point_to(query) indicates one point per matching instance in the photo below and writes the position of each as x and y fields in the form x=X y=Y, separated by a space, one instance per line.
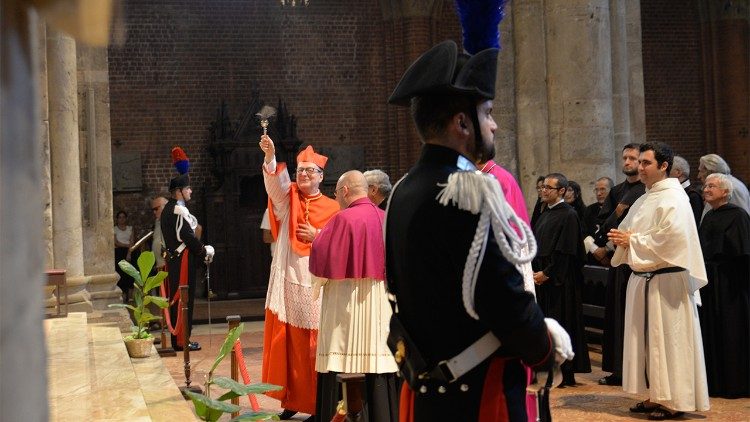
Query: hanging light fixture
x=294 y=2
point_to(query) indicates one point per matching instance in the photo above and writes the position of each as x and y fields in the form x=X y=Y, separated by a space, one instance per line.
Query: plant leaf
x=130 y=270
x=212 y=404
x=244 y=389
x=145 y=263
x=228 y=396
x=202 y=409
x=158 y=301
x=256 y=416
x=226 y=348
x=155 y=281
x=121 y=305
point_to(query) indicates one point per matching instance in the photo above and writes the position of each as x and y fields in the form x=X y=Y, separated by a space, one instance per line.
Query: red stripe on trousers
x=493 y=407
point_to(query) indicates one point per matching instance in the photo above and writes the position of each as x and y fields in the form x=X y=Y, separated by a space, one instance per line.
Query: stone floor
x=587 y=401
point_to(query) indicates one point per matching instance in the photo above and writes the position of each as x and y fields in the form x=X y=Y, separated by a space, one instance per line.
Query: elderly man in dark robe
x=725 y=315
x=557 y=270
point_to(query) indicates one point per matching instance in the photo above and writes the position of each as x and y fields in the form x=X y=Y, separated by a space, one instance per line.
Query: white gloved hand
x=563 y=346
x=589 y=244
x=209 y=254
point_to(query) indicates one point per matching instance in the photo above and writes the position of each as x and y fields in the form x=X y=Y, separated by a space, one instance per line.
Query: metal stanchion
x=186 y=343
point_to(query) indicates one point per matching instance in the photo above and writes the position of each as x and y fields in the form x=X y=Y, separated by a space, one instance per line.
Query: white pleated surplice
x=355 y=315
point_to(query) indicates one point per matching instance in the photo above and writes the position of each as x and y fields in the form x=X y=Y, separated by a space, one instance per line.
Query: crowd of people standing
x=354 y=289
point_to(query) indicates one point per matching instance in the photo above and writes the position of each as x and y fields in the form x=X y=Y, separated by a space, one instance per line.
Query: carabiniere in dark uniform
x=426 y=250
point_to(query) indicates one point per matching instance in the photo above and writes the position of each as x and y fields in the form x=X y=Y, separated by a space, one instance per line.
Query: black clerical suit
x=561 y=257
x=195 y=251
x=617 y=278
x=591 y=221
x=426 y=249
x=725 y=313
x=696 y=202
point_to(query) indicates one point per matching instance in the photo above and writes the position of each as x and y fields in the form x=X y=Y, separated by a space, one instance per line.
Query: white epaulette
x=480 y=193
x=183 y=214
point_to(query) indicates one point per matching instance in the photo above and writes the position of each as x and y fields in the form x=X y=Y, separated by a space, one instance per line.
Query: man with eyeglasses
x=157 y=241
x=591 y=219
x=557 y=271
x=348 y=261
x=297 y=212
x=725 y=241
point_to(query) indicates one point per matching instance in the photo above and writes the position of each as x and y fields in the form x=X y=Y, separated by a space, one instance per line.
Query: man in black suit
x=681 y=171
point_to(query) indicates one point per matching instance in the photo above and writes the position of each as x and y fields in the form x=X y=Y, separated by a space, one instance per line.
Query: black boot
x=286 y=414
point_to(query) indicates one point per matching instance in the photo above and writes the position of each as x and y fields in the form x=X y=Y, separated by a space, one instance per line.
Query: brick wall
x=673 y=77
x=182 y=58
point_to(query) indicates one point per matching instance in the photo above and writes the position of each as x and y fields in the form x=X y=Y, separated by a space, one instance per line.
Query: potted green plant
x=139 y=344
x=209 y=409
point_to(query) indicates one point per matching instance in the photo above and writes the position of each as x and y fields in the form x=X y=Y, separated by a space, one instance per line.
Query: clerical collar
x=686 y=183
x=181 y=202
x=555 y=204
x=311 y=197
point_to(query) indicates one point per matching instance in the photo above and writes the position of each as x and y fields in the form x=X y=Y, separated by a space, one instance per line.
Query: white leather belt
x=467 y=360
x=180 y=249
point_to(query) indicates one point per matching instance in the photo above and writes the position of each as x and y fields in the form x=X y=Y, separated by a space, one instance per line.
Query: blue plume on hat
x=180 y=160
x=479 y=21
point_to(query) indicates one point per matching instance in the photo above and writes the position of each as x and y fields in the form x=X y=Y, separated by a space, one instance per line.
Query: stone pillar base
x=104 y=291
x=86 y=293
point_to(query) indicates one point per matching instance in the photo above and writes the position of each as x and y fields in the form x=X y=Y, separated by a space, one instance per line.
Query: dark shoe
x=610 y=380
x=310 y=419
x=194 y=346
x=663 y=413
x=286 y=414
x=641 y=407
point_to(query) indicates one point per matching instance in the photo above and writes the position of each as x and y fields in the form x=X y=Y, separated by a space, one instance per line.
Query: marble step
x=91 y=377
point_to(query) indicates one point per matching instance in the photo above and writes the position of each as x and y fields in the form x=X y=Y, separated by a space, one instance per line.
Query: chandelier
x=294 y=2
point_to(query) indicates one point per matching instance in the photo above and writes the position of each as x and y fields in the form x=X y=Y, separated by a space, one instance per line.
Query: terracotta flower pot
x=139 y=348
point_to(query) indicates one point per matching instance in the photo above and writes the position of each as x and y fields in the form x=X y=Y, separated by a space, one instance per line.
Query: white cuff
x=270 y=166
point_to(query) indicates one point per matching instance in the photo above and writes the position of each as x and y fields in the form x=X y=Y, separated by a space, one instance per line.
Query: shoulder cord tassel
x=480 y=193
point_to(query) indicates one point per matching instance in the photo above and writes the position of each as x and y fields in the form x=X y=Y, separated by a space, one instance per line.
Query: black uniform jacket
x=426 y=249
x=168 y=229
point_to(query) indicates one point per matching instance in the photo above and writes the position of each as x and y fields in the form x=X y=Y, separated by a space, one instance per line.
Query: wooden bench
x=594 y=287
x=56 y=278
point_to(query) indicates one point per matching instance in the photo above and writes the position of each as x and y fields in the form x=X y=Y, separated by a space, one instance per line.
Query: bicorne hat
x=443 y=70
